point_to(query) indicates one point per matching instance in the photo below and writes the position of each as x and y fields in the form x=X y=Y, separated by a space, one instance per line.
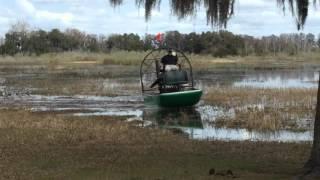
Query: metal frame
x=155 y=58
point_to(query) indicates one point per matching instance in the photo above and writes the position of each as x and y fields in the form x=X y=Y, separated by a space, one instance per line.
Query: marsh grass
x=264 y=109
x=79 y=73
x=75 y=86
x=131 y=58
x=259 y=120
x=280 y=61
x=57 y=78
x=82 y=86
x=51 y=146
x=280 y=97
x=77 y=58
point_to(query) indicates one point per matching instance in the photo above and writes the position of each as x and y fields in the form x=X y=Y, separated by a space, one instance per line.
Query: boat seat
x=177 y=77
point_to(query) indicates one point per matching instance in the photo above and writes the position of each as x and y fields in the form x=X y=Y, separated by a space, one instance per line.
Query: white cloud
x=44 y=15
x=253 y=17
x=26 y=6
x=54 y=1
x=57 y=1
x=66 y=18
x=254 y=4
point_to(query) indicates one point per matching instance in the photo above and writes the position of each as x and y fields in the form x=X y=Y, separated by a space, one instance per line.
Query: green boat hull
x=178 y=99
x=175 y=99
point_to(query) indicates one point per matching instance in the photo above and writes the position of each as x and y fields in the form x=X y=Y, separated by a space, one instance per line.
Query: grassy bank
x=199 y=62
x=76 y=58
x=49 y=146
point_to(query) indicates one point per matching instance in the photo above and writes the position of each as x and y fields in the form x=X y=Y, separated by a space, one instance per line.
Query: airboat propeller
x=174 y=88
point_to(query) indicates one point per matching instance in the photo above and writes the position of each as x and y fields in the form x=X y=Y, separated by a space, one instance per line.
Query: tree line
x=20 y=39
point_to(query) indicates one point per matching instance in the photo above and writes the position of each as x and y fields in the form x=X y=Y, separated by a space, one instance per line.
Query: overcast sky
x=253 y=17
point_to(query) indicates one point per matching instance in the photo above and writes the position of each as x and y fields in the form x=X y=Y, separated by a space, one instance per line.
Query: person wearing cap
x=170 y=61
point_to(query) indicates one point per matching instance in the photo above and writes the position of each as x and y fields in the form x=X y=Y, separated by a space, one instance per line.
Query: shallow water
x=280 y=80
x=227 y=134
x=197 y=122
x=262 y=79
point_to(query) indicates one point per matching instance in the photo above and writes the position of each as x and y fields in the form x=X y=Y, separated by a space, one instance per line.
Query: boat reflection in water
x=198 y=123
x=179 y=117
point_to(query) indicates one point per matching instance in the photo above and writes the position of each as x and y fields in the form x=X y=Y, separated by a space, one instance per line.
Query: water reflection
x=280 y=80
x=227 y=134
x=174 y=117
x=305 y=78
x=198 y=123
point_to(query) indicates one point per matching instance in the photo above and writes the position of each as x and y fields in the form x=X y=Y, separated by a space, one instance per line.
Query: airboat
x=176 y=87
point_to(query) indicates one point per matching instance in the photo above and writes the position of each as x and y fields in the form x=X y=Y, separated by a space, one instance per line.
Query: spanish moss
x=298 y=9
x=302 y=11
x=115 y=3
x=148 y=6
x=184 y=8
x=220 y=11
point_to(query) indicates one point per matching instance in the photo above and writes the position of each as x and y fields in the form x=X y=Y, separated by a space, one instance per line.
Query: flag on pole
x=158 y=40
x=159 y=37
